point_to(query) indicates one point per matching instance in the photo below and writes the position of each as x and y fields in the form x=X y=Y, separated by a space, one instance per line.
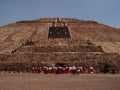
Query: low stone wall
x=24 y=62
x=19 y=67
x=48 y=49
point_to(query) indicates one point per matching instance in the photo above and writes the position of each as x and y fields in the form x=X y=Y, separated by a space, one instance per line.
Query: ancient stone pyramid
x=51 y=41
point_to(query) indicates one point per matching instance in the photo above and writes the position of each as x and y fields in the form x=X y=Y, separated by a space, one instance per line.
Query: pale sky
x=103 y=11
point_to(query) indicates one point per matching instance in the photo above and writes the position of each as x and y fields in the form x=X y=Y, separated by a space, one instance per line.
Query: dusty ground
x=59 y=82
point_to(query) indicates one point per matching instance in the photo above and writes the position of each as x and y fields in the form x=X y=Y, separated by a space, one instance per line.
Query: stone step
x=49 y=49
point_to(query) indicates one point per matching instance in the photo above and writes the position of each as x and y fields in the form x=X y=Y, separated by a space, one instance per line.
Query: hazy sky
x=103 y=11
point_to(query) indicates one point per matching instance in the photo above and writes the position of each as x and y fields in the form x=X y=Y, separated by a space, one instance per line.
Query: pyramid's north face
x=59 y=40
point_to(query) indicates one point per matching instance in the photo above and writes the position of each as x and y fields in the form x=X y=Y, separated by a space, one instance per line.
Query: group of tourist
x=61 y=70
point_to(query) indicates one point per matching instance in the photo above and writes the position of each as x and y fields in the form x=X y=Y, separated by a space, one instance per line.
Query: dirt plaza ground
x=28 y=81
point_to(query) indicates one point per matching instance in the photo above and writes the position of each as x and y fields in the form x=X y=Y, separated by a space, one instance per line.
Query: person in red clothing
x=67 y=70
x=90 y=70
x=60 y=70
x=39 y=69
x=36 y=69
x=78 y=70
x=49 y=69
x=45 y=70
x=74 y=70
x=63 y=70
x=81 y=69
x=33 y=69
x=57 y=71
x=53 y=70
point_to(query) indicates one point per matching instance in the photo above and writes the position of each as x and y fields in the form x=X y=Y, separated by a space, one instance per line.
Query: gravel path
x=28 y=81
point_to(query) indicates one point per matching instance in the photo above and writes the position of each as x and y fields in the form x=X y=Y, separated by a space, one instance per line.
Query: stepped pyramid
x=58 y=41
